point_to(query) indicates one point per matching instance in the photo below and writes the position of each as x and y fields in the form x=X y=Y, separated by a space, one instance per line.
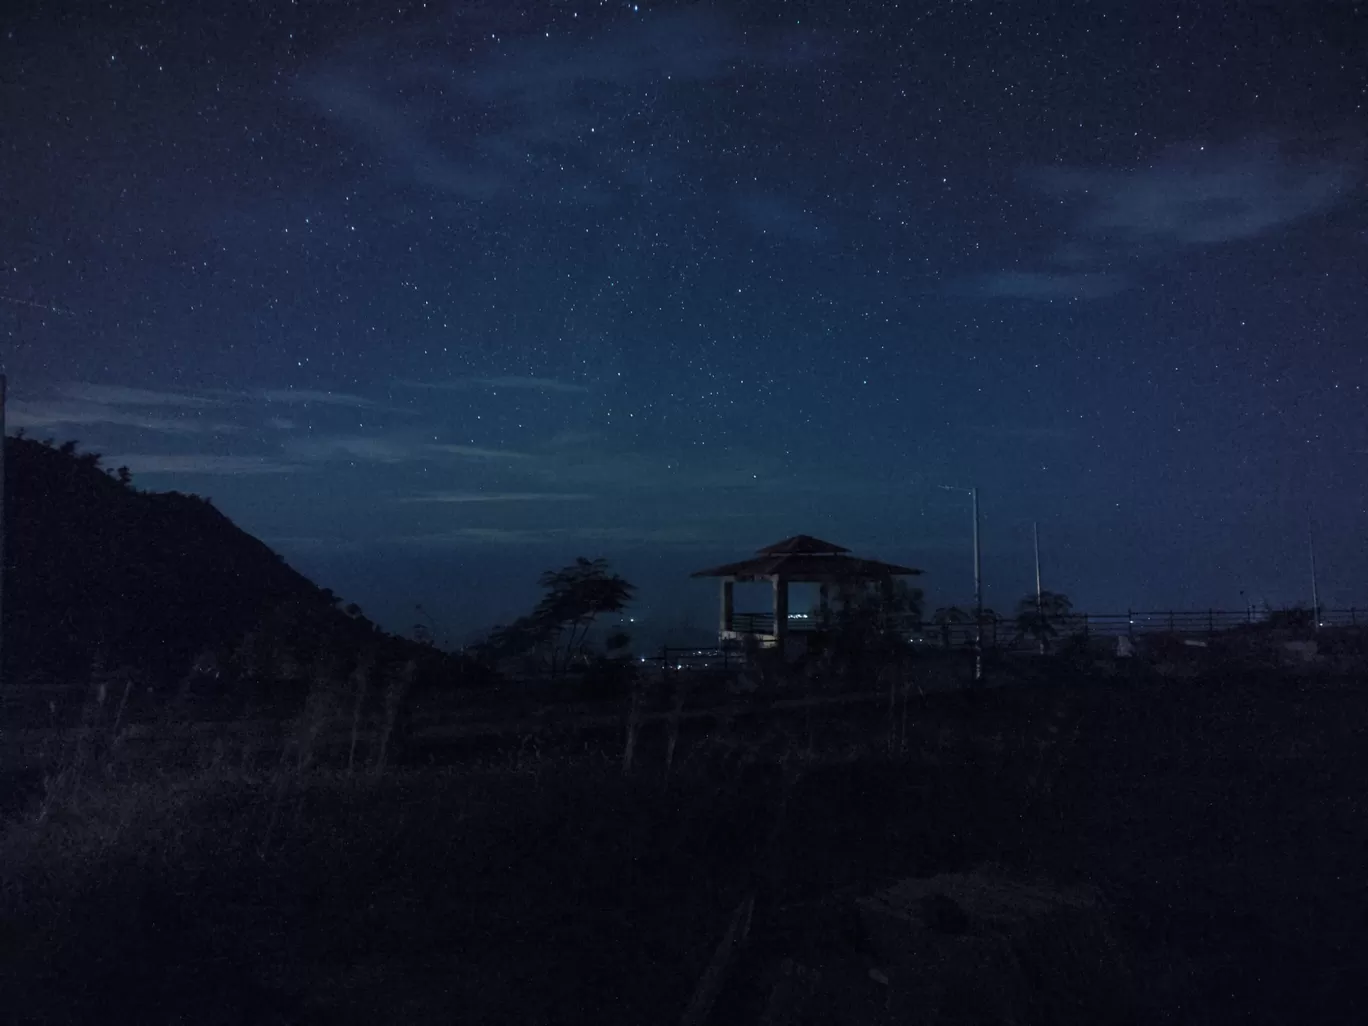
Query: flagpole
x=1040 y=595
x=1315 y=584
x=4 y=387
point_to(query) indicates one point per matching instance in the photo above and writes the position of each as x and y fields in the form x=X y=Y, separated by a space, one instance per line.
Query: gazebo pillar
x=781 y=608
x=728 y=603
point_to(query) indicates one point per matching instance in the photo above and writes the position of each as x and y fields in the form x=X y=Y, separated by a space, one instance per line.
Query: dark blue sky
x=434 y=296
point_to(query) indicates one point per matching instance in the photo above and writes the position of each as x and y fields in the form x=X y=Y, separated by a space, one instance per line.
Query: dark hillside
x=153 y=581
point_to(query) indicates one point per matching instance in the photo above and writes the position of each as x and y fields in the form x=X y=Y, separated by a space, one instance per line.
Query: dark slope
x=97 y=568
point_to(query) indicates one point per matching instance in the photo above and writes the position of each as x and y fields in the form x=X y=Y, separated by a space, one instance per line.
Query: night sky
x=432 y=297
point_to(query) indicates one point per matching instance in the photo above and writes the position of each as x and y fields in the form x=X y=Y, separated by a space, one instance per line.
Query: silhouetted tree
x=947 y=618
x=575 y=596
x=1289 y=617
x=989 y=621
x=864 y=626
x=1043 y=618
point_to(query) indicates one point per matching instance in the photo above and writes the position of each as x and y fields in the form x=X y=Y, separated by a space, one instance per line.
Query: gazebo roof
x=804 y=544
x=804 y=558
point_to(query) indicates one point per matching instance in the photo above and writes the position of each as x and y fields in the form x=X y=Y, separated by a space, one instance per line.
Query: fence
x=1001 y=633
x=1205 y=621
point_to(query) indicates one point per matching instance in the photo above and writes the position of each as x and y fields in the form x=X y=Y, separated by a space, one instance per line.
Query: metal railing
x=752 y=623
x=724 y=658
x=1005 y=632
x=1203 y=621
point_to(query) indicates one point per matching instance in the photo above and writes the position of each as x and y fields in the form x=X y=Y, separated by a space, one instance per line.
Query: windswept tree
x=575 y=597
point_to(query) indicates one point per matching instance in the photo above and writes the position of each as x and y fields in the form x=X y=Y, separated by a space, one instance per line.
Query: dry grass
x=537 y=882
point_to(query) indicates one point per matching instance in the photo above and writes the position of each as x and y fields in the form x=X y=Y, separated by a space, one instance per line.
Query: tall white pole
x=1035 y=538
x=1040 y=595
x=978 y=583
x=1315 y=584
x=3 y=390
x=978 y=594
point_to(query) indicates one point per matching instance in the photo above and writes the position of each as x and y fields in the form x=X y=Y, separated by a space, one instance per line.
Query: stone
x=979 y=947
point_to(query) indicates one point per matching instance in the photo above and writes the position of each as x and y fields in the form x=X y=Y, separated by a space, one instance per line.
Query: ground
x=1223 y=821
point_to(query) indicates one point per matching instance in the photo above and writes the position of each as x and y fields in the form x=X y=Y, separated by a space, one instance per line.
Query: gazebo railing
x=752 y=623
x=763 y=623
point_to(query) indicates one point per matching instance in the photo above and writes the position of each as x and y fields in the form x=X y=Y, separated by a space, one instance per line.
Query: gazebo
x=801 y=559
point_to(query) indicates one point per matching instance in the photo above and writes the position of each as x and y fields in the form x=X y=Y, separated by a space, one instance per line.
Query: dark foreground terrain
x=1224 y=823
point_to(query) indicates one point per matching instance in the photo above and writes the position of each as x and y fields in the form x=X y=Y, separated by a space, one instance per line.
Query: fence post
x=1130 y=624
x=1211 y=622
x=1353 y=618
x=1172 y=629
x=1085 y=625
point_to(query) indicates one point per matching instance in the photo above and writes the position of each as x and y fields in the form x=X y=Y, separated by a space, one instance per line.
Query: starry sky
x=434 y=296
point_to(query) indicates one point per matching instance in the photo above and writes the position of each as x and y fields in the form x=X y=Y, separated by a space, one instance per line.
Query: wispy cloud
x=157 y=463
x=482 y=497
x=673 y=471
x=1186 y=197
x=117 y=395
x=365 y=448
x=567 y=108
x=1201 y=195
x=475 y=452
x=510 y=381
x=306 y=397
x=390 y=447
x=684 y=537
x=535 y=384
x=34 y=414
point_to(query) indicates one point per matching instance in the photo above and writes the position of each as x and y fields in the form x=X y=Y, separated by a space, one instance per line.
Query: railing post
x=1085 y=625
x=1211 y=622
x=1172 y=628
x=1130 y=624
x=1353 y=619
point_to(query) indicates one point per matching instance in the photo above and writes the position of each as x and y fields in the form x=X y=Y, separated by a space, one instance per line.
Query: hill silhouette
x=158 y=582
